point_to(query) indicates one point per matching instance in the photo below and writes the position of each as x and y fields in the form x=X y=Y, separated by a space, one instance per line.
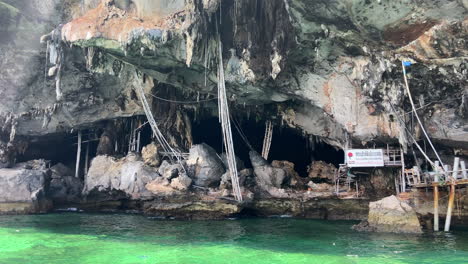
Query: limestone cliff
x=331 y=69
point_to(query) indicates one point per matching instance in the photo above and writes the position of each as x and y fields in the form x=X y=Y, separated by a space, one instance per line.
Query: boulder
x=59 y=170
x=266 y=175
x=321 y=187
x=390 y=215
x=204 y=166
x=170 y=171
x=65 y=189
x=150 y=154
x=23 y=190
x=127 y=176
x=181 y=183
x=160 y=186
x=239 y=162
x=295 y=180
x=226 y=178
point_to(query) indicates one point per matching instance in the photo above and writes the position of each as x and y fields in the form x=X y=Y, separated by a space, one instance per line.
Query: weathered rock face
x=331 y=209
x=204 y=166
x=23 y=189
x=125 y=178
x=321 y=170
x=392 y=216
x=193 y=208
x=331 y=69
x=339 y=62
x=66 y=189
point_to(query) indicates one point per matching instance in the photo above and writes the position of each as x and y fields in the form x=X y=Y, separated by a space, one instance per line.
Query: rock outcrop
x=124 y=178
x=192 y=208
x=391 y=215
x=23 y=189
x=266 y=176
x=332 y=70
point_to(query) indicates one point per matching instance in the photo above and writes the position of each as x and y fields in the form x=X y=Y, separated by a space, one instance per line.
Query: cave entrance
x=287 y=143
x=60 y=148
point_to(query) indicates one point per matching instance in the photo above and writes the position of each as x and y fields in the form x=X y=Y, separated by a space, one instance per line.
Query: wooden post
x=78 y=156
x=456 y=162
x=86 y=160
x=448 y=219
x=436 y=199
x=463 y=168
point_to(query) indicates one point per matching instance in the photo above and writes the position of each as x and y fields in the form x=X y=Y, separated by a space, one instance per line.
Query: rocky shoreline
x=149 y=184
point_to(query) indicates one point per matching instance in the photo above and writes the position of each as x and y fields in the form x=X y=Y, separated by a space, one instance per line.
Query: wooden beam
x=78 y=156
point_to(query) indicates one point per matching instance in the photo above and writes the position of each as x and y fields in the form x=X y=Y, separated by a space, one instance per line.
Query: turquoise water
x=117 y=239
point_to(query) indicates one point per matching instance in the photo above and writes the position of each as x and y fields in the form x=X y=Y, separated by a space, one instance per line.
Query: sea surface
x=69 y=238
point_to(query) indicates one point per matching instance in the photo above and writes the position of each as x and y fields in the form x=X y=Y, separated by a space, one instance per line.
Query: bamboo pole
x=130 y=139
x=436 y=206
x=463 y=169
x=78 y=156
x=403 y=180
x=416 y=113
x=448 y=218
x=456 y=162
x=138 y=142
x=86 y=160
x=436 y=197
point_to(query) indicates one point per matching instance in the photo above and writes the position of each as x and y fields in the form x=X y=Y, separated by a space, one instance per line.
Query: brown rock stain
x=402 y=33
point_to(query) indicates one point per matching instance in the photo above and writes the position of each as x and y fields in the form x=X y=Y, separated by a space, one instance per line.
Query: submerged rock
x=204 y=166
x=390 y=215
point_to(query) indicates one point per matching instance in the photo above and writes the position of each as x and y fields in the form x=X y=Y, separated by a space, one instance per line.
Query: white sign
x=364 y=158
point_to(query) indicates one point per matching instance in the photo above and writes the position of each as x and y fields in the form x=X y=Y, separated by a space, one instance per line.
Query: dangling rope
x=416 y=113
x=154 y=127
x=267 y=139
x=402 y=124
x=225 y=121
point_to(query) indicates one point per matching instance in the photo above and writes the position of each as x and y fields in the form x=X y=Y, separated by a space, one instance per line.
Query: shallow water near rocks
x=118 y=239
